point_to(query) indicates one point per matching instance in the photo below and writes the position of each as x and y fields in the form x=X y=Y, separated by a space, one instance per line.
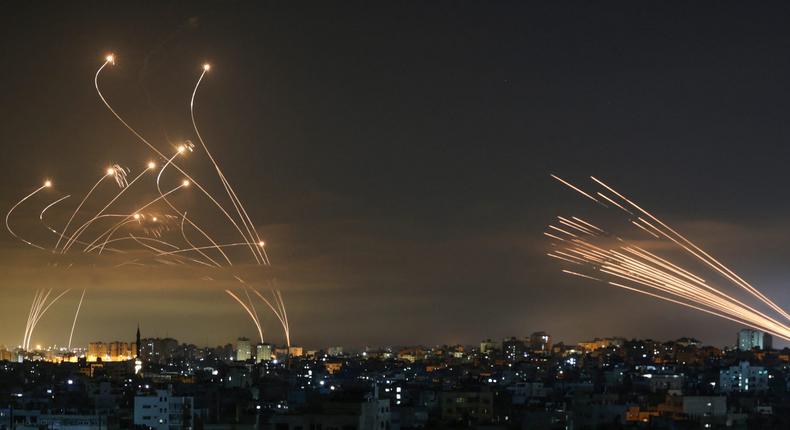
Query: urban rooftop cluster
x=518 y=382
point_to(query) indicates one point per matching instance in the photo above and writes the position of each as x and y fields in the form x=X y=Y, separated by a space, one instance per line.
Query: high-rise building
x=263 y=352
x=749 y=339
x=243 y=349
x=158 y=350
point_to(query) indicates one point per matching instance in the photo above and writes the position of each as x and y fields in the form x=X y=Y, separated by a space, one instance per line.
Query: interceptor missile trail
x=618 y=262
x=47 y=184
x=152 y=228
x=110 y=172
x=249 y=312
x=162 y=156
x=76 y=314
x=245 y=219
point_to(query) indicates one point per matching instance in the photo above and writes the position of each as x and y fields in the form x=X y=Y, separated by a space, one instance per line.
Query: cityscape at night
x=394 y=215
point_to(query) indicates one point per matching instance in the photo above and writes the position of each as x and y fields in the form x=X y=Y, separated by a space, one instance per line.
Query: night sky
x=396 y=156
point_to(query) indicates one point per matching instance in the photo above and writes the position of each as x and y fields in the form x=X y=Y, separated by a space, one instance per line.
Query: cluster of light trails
x=40 y=306
x=155 y=231
x=593 y=253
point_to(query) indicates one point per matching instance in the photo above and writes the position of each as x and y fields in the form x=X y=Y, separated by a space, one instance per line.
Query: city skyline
x=401 y=180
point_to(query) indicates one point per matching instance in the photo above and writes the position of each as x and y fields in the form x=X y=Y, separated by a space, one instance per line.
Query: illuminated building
x=334 y=351
x=163 y=411
x=263 y=352
x=96 y=351
x=743 y=378
x=600 y=343
x=295 y=351
x=412 y=354
x=488 y=346
x=6 y=355
x=112 y=351
x=243 y=349
x=749 y=339
x=333 y=367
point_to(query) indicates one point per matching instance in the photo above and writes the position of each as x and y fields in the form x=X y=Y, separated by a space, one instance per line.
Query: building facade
x=749 y=339
x=743 y=378
x=164 y=411
x=243 y=349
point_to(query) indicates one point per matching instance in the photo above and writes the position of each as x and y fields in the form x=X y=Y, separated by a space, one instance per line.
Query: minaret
x=138 y=362
x=137 y=345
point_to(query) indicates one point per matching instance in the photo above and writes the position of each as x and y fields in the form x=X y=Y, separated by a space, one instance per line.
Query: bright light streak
x=164 y=221
x=631 y=267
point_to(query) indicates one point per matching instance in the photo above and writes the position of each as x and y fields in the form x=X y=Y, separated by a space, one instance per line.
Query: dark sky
x=396 y=156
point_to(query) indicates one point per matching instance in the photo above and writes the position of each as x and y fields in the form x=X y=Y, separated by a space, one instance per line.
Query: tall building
x=158 y=350
x=243 y=349
x=749 y=339
x=263 y=352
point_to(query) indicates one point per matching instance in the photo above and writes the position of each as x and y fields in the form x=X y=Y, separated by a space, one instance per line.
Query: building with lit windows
x=163 y=411
x=514 y=349
x=743 y=378
x=263 y=352
x=158 y=350
x=540 y=342
x=243 y=349
x=465 y=406
x=111 y=351
x=488 y=346
x=749 y=339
